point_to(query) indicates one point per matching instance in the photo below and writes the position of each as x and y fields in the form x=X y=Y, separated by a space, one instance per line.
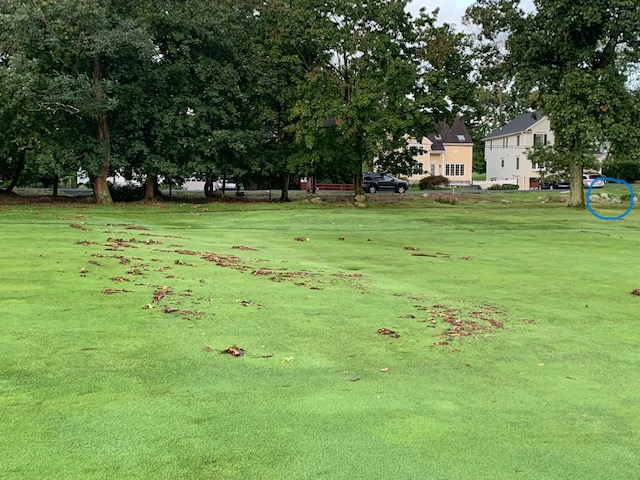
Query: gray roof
x=519 y=124
x=456 y=133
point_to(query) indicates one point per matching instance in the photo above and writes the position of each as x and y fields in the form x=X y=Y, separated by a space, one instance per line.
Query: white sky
x=451 y=11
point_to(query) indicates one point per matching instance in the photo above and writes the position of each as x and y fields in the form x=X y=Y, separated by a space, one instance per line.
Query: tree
x=370 y=70
x=75 y=45
x=572 y=58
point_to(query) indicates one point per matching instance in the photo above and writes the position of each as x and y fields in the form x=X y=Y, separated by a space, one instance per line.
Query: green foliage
x=503 y=186
x=573 y=58
x=433 y=181
x=127 y=193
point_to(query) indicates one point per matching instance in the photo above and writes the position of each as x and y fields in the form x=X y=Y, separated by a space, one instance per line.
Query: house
x=505 y=149
x=449 y=153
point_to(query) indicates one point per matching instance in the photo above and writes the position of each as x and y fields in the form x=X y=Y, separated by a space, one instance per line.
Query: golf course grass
x=492 y=339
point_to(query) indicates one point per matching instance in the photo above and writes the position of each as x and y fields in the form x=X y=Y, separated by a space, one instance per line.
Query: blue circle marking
x=614 y=180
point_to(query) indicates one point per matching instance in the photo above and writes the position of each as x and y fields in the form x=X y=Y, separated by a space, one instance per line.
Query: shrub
x=126 y=193
x=433 y=181
x=504 y=186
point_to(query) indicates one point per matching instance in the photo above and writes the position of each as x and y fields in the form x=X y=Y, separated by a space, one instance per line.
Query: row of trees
x=252 y=89
x=235 y=88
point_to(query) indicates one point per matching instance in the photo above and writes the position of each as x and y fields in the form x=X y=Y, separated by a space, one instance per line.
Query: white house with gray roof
x=505 y=149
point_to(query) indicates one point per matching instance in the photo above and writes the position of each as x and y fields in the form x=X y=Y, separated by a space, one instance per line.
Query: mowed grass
x=94 y=385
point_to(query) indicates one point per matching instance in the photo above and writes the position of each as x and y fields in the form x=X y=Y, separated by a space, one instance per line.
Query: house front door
x=433 y=169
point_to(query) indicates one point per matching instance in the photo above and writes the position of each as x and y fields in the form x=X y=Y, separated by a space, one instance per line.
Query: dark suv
x=372 y=182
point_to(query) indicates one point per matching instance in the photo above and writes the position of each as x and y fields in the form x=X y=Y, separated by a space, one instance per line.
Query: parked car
x=555 y=185
x=592 y=179
x=372 y=182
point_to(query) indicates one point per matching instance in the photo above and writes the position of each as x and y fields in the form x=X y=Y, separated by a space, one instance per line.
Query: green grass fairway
x=517 y=355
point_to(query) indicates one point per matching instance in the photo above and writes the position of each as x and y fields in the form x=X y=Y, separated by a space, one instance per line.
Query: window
x=461 y=138
x=490 y=144
x=454 y=170
x=517 y=163
x=540 y=139
x=518 y=141
x=505 y=142
x=502 y=163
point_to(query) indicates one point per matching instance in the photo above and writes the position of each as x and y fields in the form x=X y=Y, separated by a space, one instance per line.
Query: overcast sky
x=451 y=11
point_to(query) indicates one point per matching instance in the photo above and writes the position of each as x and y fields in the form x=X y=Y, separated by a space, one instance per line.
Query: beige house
x=448 y=153
x=505 y=149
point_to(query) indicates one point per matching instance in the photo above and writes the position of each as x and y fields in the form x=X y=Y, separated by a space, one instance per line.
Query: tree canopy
x=243 y=89
x=572 y=60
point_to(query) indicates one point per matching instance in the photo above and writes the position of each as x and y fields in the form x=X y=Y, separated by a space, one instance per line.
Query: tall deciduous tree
x=76 y=45
x=573 y=58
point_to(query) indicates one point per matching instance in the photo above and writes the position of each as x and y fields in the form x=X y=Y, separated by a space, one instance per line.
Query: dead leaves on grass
x=636 y=292
x=110 y=291
x=390 y=333
x=234 y=351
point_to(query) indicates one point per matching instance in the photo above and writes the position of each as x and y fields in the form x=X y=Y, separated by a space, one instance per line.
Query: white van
x=592 y=179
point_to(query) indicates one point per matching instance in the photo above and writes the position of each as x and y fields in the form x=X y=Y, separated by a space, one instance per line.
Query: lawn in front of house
x=516 y=354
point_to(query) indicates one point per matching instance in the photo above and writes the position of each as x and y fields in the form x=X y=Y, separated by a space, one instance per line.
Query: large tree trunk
x=56 y=180
x=151 y=187
x=208 y=187
x=357 y=184
x=284 y=195
x=15 y=178
x=576 y=194
x=100 y=186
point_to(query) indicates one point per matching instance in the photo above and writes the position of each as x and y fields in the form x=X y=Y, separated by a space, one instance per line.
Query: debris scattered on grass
x=109 y=291
x=528 y=320
x=96 y=263
x=120 y=279
x=234 y=350
x=159 y=295
x=354 y=379
x=207 y=348
x=246 y=303
x=407 y=316
x=171 y=310
x=268 y=355
x=386 y=331
x=135 y=227
x=341 y=238
x=636 y=292
x=434 y=255
x=85 y=243
x=301 y=239
x=78 y=226
x=242 y=247
x=385 y=369
x=411 y=249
